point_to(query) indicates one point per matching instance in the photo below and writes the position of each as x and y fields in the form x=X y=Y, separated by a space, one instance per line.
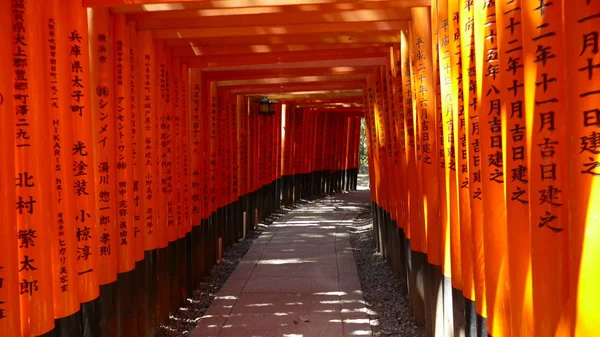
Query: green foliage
x=363 y=163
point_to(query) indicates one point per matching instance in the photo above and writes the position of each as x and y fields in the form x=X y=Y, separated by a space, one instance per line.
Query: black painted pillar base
x=108 y=310
x=91 y=316
x=70 y=326
x=126 y=309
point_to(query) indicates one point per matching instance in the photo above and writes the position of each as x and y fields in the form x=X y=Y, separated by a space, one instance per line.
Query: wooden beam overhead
x=263 y=49
x=299 y=79
x=194 y=19
x=324 y=101
x=241 y=65
x=285 y=73
x=349 y=37
x=133 y=6
x=295 y=87
x=314 y=95
x=283 y=57
x=281 y=30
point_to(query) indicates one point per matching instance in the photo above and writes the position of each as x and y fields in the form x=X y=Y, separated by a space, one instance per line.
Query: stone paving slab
x=299 y=278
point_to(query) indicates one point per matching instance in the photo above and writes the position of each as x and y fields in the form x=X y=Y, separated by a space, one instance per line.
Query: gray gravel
x=185 y=319
x=388 y=309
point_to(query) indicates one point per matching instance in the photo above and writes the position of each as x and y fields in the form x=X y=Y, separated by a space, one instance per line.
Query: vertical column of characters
x=547 y=144
x=184 y=105
x=137 y=144
x=196 y=147
x=492 y=170
x=252 y=147
x=162 y=119
x=419 y=239
x=240 y=178
x=32 y=202
x=9 y=262
x=84 y=152
x=462 y=266
x=472 y=153
x=346 y=154
x=510 y=45
x=124 y=145
x=147 y=85
x=324 y=120
x=327 y=143
x=313 y=139
x=299 y=115
x=64 y=257
x=379 y=145
x=302 y=142
x=442 y=239
x=447 y=120
x=226 y=146
x=357 y=142
x=177 y=153
x=581 y=31
x=425 y=91
x=212 y=150
x=386 y=153
x=220 y=187
x=221 y=144
x=286 y=137
x=238 y=172
x=409 y=129
x=400 y=130
x=104 y=142
x=391 y=74
x=381 y=101
x=349 y=153
x=231 y=145
x=343 y=160
x=307 y=140
x=277 y=144
x=205 y=144
x=235 y=147
x=369 y=138
x=388 y=104
x=375 y=142
x=333 y=144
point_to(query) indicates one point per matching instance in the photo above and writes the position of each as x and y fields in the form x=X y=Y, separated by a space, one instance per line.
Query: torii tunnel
x=134 y=151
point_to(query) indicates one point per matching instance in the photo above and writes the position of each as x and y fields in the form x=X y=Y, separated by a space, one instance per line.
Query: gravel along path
x=388 y=309
x=185 y=319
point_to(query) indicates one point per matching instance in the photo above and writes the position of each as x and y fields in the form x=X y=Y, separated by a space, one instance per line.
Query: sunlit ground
x=299 y=278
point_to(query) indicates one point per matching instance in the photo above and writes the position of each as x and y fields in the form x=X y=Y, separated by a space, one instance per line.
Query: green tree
x=363 y=165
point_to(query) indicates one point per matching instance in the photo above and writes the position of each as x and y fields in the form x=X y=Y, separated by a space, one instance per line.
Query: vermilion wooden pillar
x=547 y=160
x=64 y=246
x=583 y=87
x=9 y=293
x=492 y=173
x=30 y=134
x=515 y=174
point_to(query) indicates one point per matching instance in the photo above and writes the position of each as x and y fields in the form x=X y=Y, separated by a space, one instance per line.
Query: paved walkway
x=298 y=278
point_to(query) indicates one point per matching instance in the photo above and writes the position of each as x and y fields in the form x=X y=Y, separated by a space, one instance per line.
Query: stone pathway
x=298 y=278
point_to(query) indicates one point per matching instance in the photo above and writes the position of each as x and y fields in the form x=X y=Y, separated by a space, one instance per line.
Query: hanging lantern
x=266 y=106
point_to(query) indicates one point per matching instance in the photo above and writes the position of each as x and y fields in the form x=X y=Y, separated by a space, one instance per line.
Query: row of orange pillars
x=484 y=167
x=125 y=174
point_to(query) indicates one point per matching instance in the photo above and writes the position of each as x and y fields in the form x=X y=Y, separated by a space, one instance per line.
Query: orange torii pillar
x=9 y=265
x=581 y=53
